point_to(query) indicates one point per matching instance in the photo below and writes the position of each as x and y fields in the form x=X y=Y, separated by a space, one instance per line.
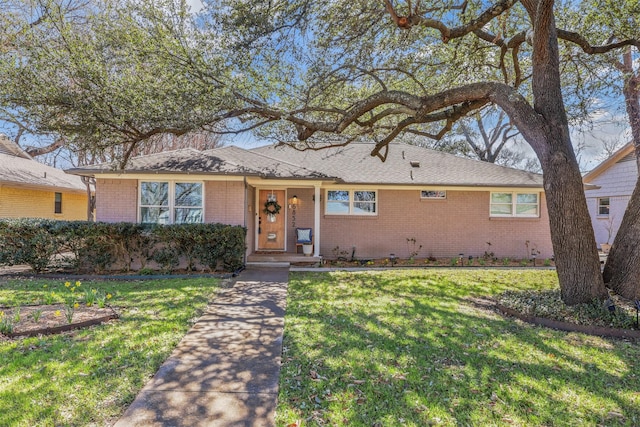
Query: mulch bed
x=600 y=331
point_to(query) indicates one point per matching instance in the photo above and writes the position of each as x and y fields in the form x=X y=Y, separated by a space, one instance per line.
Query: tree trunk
x=574 y=244
x=622 y=271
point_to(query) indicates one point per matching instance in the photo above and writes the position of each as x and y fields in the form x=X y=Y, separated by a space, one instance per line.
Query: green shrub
x=28 y=241
x=98 y=247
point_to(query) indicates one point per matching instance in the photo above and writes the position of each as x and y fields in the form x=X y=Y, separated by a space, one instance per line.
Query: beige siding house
x=608 y=188
x=29 y=189
x=351 y=200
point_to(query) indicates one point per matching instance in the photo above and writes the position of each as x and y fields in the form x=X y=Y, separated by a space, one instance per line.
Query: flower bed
x=51 y=319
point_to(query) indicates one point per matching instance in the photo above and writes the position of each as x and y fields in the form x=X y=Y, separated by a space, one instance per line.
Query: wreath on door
x=271 y=207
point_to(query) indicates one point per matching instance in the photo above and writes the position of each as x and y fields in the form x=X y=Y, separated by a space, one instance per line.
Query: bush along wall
x=81 y=246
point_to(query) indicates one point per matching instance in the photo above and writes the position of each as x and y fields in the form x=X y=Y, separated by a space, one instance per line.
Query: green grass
x=408 y=348
x=89 y=376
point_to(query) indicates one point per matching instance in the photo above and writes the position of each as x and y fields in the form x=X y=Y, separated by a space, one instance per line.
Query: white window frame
x=514 y=204
x=428 y=194
x=172 y=196
x=600 y=205
x=351 y=192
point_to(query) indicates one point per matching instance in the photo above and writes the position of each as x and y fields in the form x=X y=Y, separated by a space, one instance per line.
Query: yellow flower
x=78 y=283
x=88 y=304
x=44 y=286
x=57 y=313
x=73 y=289
x=109 y=296
x=67 y=284
x=1 y=314
x=76 y=305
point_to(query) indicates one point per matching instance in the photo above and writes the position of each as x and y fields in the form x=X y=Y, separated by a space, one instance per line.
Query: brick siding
x=444 y=228
x=117 y=200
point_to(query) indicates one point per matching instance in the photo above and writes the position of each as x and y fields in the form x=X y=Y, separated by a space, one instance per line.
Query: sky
x=196 y=5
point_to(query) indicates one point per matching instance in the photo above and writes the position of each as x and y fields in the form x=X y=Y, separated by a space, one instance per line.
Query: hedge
x=82 y=246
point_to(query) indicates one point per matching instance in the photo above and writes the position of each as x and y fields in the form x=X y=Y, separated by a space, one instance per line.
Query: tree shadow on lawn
x=389 y=350
x=49 y=379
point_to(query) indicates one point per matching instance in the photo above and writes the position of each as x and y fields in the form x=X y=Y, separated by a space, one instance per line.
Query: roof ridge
x=281 y=160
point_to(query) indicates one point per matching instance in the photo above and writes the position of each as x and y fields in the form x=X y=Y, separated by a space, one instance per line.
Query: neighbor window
x=57 y=204
x=170 y=202
x=515 y=204
x=351 y=202
x=433 y=194
x=603 y=206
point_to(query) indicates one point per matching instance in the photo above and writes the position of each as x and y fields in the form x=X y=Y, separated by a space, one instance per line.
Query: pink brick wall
x=444 y=228
x=116 y=200
x=224 y=202
x=303 y=215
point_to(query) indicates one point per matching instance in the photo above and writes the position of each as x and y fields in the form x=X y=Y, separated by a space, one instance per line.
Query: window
x=351 y=202
x=433 y=194
x=170 y=202
x=57 y=204
x=515 y=204
x=603 y=206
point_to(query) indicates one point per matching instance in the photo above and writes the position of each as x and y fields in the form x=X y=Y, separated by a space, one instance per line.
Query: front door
x=271 y=226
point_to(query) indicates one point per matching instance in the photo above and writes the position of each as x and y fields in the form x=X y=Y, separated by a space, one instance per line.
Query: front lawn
x=89 y=376
x=410 y=348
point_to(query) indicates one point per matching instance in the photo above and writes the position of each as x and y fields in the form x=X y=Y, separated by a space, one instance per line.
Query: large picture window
x=170 y=202
x=351 y=202
x=515 y=205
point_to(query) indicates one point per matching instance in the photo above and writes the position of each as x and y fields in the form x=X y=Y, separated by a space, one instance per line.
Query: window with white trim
x=433 y=194
x=604 y=203
x=171 y=202
x=351 y=202
x=515 y=205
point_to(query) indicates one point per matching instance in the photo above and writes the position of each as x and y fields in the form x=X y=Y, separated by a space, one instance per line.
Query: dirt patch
x=51 y=319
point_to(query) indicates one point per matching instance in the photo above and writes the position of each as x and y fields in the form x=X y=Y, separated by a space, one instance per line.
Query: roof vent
x=415 y=164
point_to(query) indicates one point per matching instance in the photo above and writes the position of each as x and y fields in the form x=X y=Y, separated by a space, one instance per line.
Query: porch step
x=270 y=264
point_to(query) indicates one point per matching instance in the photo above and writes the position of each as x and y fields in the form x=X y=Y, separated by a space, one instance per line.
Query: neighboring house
x=29 y=189
x=417 y=197
x=608 y=188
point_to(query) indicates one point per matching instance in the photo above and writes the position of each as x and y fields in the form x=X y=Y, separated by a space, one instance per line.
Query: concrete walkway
x=225 y=371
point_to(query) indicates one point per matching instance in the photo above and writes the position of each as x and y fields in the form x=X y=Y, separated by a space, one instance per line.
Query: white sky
x=196 y=5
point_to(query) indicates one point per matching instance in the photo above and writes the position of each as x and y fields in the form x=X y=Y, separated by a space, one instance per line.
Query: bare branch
x=590 y=49
x=39 y=151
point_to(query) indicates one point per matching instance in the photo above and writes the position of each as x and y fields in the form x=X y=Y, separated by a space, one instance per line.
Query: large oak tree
x=324 y=73
x=395 y=78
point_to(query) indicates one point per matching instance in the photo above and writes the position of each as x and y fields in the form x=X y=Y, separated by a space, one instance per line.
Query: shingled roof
x=405 y=164
x=17 y=168
x=218 y=161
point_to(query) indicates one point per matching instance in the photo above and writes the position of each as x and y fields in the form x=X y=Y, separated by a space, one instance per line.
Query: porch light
x=293 y=202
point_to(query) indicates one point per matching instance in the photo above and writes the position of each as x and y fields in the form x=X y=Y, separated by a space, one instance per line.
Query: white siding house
x=608 y=188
